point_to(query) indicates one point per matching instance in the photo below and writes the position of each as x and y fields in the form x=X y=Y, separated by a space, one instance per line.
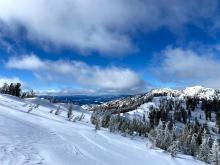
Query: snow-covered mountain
x=131 y=103
x=186 y=105
x=195 y=91
x=185 y=121
x=165 y=91
x=200 y=92
x=41 y=137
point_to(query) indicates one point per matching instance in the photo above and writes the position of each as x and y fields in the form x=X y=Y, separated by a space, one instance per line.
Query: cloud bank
x=189 y=66
x=111 y=79
x=100 y=25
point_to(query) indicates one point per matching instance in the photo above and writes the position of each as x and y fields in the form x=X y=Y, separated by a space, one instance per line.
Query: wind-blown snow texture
x=40 y=137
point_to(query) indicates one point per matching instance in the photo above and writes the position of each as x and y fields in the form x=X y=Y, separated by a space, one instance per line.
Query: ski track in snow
x=43 y=138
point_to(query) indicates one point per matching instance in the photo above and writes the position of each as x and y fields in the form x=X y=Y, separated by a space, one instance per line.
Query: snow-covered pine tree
x=114 y=123
x=159 y=135
x=93 y=117
x=98 y=124
x=193 y=145
x=204 y=148
x=70 y=112
x=185 y=140
x=111 y=124
x=57 y=111
x=124 y=126
x=215 y=153
x=167 y=139
x=174 y=148
x=36 y=106
x=82 y=116
x=31 y=107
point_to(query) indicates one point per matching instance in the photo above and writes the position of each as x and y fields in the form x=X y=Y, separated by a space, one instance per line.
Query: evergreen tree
x=11 y=89
x=114 y=124
x=174 y=148
x=82 y=116
x=70 y=112
x=204 y=148
x=185 y=139
x=17 y=90
x=168 y=136
x=215 y=153
x=5 y=89
x=193 y=145
x=98 y=124
x=156 y=135
x=57 y=111
x=218 y=121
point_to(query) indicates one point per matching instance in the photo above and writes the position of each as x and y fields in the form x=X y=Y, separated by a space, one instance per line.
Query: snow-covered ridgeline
x=195 y=91
x=127 y=103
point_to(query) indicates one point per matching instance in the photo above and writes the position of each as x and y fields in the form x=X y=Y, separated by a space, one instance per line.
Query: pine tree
x=17 y=90
x=57 y=111
x=204 y=148
x=186 y=140
x=174 y=148
x=218 y=121
x=51 y=111
x=70 y=112
x=157 y=135
x=31 y=107
x=82 y=116
x=114 y=124
x=97 y=124
x=5 y=89
x=11 y=89
x=168 y=137
x=215 y=153
x=193 y=145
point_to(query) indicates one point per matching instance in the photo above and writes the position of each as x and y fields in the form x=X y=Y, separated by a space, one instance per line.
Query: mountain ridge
x=127 y=104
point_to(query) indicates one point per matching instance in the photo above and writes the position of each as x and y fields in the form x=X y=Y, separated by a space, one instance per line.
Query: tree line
x=193 y=139
x=14 y=89
x=190 y=137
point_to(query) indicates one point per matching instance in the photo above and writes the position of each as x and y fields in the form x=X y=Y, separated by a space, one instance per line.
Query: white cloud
x=9 y=80
x=108 y=78
x=189 y=66
x=100 y=25
x=28 y=62
x=66 y=92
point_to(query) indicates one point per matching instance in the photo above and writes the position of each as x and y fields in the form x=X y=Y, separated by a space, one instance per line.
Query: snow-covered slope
x=40 y=137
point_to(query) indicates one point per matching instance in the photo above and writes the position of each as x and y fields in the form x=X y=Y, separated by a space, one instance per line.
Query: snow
x=169 y=91
x=40 y=137
x=144 y=109
x=194 y=91
x=199 y=91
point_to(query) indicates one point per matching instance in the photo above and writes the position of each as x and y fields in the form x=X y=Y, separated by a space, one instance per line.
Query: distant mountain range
x=103 y=100
x=83 y=99
x=188 y=120
x=195 y=91
x=129 y=103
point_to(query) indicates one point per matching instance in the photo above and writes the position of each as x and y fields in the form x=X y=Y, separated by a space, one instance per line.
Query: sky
x=109 y=47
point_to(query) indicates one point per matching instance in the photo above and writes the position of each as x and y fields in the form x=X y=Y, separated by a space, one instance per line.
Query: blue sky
x=109 y=47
